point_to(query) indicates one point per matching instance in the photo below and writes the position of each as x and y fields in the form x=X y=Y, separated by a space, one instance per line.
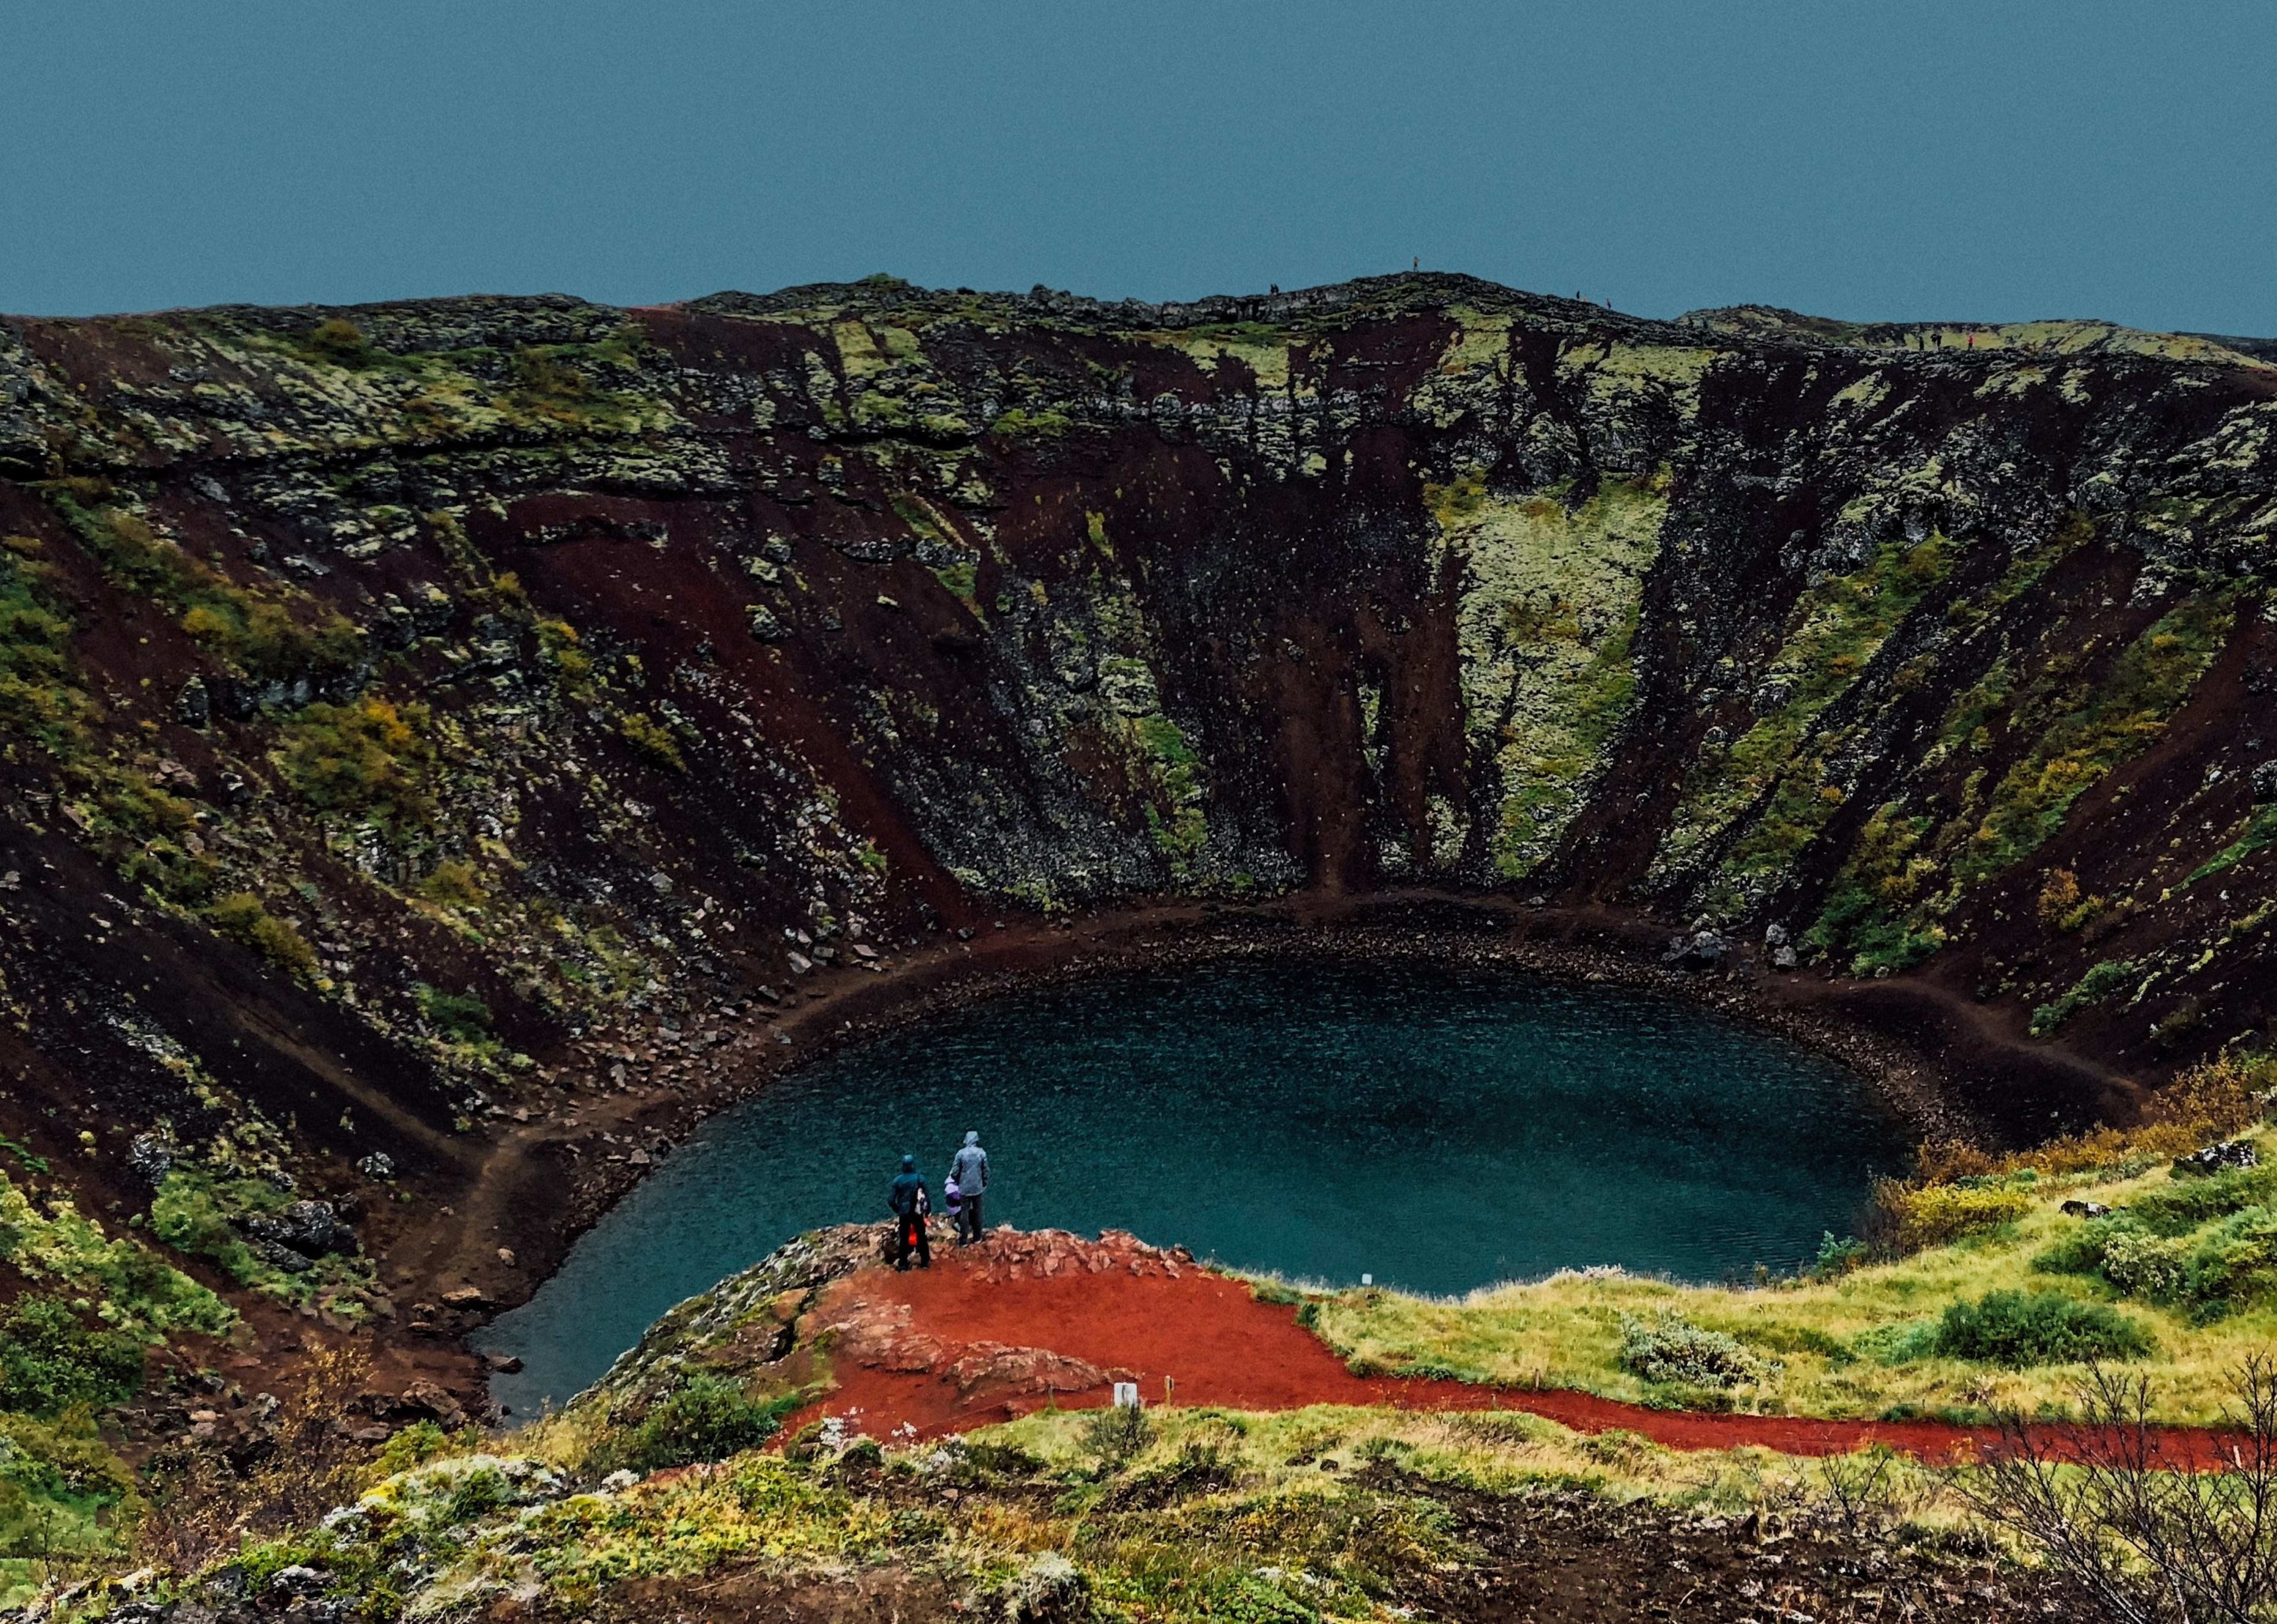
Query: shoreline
x=533 y=1194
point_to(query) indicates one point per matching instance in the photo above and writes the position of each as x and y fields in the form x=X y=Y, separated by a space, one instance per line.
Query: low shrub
x=1116 y=1434
x=143 y=1297
x=414 y=1446
x=2203 y=1245
x=2098 y=983
x=2145 y=1265
x=2081 y=1251
x=1838 y=1256
x=2019 y=1329
x=1934 y=1214
x=2183 y=1205
x=2208 y=1272
x=366 y=759
x=453 y=884
x=240 y=917
x=652 y=740
x=64 y=1492
x=461 y=1017
x=2222 y=1097
x=337 y=340
x=707 y=1418
x=1666 y=1348
x=188 y=1217
x=51 y=1360
x=2232 y=1262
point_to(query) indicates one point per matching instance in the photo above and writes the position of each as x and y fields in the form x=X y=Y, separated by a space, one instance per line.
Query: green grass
x=705 y=1418
x=1864 y=1341
x=253 y=631
x=66 y=1501
x=1905 y=871
x=195 y=1211
x=1021 y=424
x=51 y=1359
x=1870 y=916
x=43 y=699
x=962 y=583
x=2101 y=730
x=1168 y=774
x=132 y=1290
x=582 y=390
x=2101 y=980
x=1207 y=1515
x=2260 y=829
x=2207 y=1247
x=1780 y=762
x=1595 y=705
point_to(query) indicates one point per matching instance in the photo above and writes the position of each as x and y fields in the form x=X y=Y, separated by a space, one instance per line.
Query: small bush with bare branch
x=2149 y=1537
x=1859 y=1493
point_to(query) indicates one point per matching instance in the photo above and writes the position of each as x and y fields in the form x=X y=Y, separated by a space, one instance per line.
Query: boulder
x=1702 y=949
x=277 y=1255
x=150 y=1158
x=2218 y=1158
x=429 y=1400
x=297 y=1581
x=309 y=1228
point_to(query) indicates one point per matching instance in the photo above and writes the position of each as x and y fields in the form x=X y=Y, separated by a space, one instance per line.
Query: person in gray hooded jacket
x=971 y=1171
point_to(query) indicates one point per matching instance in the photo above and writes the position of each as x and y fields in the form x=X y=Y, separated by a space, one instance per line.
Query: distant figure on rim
x=971 y=1171
x=906 y=1195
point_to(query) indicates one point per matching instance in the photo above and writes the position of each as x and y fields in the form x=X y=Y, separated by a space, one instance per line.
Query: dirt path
x=1028 y=1320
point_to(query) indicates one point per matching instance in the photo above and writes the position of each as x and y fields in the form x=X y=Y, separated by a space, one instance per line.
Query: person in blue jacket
x=907 y=1196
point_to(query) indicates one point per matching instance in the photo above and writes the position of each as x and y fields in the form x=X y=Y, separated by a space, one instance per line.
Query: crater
x=1435 y=1127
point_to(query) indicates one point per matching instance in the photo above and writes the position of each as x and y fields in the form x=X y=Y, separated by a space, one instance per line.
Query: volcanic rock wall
x=398 y=698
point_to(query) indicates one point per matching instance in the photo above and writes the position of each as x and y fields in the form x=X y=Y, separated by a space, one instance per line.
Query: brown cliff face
x=404 y=702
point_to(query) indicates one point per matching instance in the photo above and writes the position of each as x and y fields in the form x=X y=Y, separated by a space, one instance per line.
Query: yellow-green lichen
x=1548 y=609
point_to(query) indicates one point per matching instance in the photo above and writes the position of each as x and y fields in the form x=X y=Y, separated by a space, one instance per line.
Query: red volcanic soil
x=1025 y=1320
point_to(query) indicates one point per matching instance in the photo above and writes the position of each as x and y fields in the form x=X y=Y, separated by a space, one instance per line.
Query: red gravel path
x=1218 y=1346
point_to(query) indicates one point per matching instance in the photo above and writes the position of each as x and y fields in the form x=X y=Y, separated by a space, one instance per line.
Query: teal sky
x=1900 y=160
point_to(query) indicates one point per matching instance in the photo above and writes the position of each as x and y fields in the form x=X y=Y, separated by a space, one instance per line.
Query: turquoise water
x=1439 y=1128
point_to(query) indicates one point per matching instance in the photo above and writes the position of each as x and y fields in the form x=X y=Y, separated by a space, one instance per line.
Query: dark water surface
x=1440 y=1128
